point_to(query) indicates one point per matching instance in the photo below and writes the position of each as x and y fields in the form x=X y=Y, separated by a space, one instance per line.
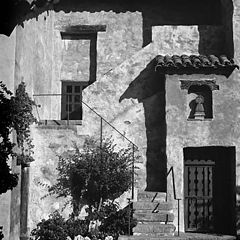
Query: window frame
x=65 y=104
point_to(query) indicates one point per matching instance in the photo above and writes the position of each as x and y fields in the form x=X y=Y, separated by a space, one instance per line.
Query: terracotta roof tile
x=194 y=63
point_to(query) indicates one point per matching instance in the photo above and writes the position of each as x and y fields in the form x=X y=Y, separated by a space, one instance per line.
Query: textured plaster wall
x=123 y=36
x=132 y=93
x=128 y=93
x=49 y=143
x=41 y=42
x=222 y=130
x=39 y=62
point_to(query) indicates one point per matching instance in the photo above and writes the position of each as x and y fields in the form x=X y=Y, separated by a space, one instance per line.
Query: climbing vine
x=16 y=113
x=22 y=119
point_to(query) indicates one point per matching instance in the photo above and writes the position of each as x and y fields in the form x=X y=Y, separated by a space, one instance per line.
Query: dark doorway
x=209 y=189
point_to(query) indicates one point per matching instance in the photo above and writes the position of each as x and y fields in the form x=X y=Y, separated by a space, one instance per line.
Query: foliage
x=22 y=119
x=57 y=228
x=52 y=228
x=107 y=208
x=1 y=233
x=16 y=113
x=114 y=223
x=117 y=223
x=76 y=227
x=93 y=175
x=8 y=180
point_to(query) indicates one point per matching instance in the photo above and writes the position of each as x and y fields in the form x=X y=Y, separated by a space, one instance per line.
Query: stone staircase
x=155 y=221
x=154 y=217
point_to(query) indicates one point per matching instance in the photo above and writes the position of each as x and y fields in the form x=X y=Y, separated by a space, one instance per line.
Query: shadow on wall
x=149 y=89
x=155 y=13
x=220 y=40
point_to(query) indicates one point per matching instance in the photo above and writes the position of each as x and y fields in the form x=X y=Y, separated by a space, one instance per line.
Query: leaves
x=117 y=222
x=22 y=107
x=8 y=180
x=57 y=228
x=92 y=174
x=16 y=113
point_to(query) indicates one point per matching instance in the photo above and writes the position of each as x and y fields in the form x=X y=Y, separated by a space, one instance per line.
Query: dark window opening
x=72 y=100
x=201 y=105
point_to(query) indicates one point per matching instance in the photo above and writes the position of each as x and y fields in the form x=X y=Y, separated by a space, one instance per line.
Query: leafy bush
x=76 y=227
x=113 y=223
x=22 y=107
x=52 y=228
x=117 y=223
x=16 y=113
x=8 y=180
x=93 y=175
x=57 y=228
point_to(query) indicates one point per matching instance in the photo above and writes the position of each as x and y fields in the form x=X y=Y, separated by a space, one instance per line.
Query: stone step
x=154 y=229
x=158 y=206
x=151 y=196
x=143 y=237
x=183 y=236
x=153 y=217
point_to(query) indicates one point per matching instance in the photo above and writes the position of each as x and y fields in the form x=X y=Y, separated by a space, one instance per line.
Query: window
x=72 y=100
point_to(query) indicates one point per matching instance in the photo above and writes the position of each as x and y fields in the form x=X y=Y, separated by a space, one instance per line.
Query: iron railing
x=102 y=120
x=171 y=170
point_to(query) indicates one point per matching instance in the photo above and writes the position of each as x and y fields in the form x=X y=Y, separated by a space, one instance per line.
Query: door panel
x=198 y=195
x=209 y=196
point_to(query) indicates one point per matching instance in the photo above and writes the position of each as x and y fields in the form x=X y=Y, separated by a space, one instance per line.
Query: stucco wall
x=133 y=91
x=50 y=142
x=222 y=130
x=127 y=93
x=39 y=62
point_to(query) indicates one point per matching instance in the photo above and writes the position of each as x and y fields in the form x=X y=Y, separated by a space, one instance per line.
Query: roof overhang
x=195 y=64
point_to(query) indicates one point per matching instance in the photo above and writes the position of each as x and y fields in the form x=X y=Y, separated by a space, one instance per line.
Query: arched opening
x=204 y=92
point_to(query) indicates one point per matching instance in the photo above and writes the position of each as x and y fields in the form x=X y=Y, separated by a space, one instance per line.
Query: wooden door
x=199 y=195
x=209 y=195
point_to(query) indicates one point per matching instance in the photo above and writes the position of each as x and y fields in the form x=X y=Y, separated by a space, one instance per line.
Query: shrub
x=8 y=180
x=117 y=223
x=52 y=228
x=113 y=223
x=16 y=113
x=76 y=227
x=93 y=175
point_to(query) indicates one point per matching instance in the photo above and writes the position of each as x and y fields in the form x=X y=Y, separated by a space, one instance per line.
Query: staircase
x=154 y=217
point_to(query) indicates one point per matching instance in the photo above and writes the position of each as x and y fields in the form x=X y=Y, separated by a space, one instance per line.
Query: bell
x=199 y=110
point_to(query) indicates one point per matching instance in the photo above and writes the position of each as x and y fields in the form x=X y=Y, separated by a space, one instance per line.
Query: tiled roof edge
x=194 y=62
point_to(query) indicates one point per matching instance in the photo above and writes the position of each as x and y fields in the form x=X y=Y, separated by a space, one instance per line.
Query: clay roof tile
x=198 y=62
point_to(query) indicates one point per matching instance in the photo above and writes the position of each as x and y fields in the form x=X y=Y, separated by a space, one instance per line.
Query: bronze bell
x=199 y=110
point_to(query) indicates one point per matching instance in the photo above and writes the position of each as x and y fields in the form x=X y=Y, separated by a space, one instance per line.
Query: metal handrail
x=174 y=195
x=134 y=146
